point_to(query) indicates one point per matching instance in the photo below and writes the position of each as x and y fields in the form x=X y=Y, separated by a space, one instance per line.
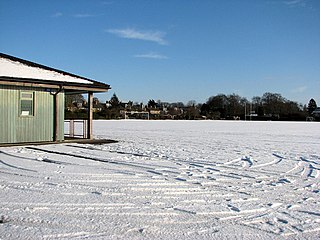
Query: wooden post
x=71 y=128
x=55 y=118
x=90 y=115
x=56 y=114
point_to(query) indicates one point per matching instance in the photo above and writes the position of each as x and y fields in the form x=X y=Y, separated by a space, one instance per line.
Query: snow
x=14 y=69
x=167 y=180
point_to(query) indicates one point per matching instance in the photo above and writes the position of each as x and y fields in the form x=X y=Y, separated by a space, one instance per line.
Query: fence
x=77 y=128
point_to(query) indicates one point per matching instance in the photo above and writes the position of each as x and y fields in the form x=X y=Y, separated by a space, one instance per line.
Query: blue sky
x=173 y=50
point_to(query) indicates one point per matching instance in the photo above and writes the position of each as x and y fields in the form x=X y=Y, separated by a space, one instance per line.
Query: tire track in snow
x=15 y=167
x=209 y=200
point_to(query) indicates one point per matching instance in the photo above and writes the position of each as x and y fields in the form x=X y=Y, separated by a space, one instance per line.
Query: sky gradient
x=173 y=50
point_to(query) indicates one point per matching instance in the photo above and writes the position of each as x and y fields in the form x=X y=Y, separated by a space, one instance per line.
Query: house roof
x=16 y=71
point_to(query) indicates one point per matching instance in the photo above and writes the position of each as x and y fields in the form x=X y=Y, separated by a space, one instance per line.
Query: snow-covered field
x=167 y=180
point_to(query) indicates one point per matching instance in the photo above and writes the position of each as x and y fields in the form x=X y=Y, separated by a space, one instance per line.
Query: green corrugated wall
x=37 y=128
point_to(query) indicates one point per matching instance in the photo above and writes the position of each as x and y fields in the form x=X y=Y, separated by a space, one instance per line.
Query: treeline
x=270 y=106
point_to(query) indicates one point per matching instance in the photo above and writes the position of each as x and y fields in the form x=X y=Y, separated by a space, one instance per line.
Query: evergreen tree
x=312 y=105
x=114 y=101
x=152 y=103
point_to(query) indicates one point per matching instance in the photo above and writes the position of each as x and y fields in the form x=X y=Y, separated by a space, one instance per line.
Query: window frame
x=22 y=97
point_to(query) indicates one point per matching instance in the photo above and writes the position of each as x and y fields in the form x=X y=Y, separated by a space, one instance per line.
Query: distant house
x=32 y=98
x=316 y=113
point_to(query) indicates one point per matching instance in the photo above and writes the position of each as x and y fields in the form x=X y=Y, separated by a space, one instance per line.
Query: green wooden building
x=32 y=98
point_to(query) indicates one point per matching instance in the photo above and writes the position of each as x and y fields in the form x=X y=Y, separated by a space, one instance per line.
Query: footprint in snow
x=281 y=220
x=233 y=208
x=96 y=193
x=181 y=179
x=4 y=219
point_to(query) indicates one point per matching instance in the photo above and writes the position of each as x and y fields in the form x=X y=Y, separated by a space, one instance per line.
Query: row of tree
x=270 y=106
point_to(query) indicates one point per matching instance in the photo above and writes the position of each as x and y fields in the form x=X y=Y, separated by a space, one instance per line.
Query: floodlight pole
x=245 y=111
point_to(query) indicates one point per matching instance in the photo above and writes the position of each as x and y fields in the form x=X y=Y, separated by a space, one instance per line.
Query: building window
x=26 y=104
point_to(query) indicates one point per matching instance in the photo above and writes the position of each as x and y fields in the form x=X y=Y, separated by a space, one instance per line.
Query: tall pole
x=245 y=111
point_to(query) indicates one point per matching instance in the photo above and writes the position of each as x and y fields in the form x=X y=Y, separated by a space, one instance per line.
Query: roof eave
x=67 y=86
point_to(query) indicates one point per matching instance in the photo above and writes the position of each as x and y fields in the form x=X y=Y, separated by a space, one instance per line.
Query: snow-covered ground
x=167 y=180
